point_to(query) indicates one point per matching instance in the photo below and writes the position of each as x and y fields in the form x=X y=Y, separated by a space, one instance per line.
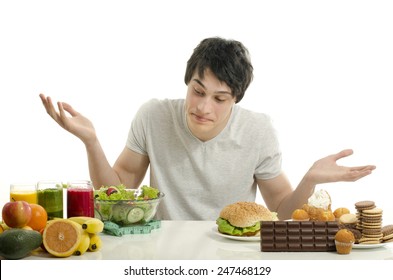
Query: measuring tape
x=115 y=229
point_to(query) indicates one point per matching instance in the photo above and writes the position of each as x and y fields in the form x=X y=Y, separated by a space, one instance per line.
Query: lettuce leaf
x=125 y=194
x=226 y=227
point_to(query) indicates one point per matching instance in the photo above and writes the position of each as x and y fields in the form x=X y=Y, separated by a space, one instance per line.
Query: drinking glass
x=80 y=199
x=26 y=192
x=50 y=196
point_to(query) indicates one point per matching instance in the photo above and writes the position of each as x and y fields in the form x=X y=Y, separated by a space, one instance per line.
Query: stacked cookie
x=369 y=222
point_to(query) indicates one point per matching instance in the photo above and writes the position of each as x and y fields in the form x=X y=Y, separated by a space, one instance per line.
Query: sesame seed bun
x=246 y=214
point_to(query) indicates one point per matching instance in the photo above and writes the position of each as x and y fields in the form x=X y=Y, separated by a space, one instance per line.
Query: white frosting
x=320 y=199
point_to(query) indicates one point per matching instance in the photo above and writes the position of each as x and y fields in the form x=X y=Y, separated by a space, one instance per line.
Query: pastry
x=357 y=234
x=344 y=240
x=300 y=215
x=317 y=205
x=340 y=211
x=326 y=216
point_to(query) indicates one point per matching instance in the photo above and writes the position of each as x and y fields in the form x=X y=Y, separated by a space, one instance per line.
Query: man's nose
x=204 y=106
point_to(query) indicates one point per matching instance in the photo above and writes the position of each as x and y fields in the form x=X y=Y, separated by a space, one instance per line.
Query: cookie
x=365 y=204
x=374 y=212
x=388 y=229
x=387 y=232
x=371 y=219
x=369 y=222
x=364 y=240
x=370 y=231
x=348 y=219
x=372 y=236
x=388 y=238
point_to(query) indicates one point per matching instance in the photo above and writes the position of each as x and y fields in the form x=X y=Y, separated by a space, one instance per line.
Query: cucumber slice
x=119 y=213
x=135 y=215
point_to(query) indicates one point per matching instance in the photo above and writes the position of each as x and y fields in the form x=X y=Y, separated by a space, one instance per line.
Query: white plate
x=367 y=246
x=240 y=238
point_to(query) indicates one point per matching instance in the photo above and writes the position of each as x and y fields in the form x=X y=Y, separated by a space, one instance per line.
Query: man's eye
x=220 y=100
x=197 y=92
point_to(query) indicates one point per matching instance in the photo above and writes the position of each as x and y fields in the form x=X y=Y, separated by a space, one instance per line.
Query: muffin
x=300 y=215
x=357 y=234
x=344 y=240
x=340 y=211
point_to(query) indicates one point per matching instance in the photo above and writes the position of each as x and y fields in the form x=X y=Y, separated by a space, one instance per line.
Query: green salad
x=123 y=207
x=121 y=193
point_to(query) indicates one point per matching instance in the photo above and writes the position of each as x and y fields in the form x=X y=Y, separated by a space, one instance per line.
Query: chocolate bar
x=294 y=236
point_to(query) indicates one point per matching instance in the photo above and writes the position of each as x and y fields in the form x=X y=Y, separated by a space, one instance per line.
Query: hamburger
x=243 y=218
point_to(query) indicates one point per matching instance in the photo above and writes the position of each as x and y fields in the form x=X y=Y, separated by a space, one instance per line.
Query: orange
x=39 y=217
x=61 y=237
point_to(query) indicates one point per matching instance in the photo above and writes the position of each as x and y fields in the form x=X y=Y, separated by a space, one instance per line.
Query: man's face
x=208 y=105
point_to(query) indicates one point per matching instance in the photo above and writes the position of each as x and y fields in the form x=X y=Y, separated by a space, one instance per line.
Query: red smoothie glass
x=80 y=199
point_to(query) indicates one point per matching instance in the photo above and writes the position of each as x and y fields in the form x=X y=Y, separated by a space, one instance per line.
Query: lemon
x=61 y=237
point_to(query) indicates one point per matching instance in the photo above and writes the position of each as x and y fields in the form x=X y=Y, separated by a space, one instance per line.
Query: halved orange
x=62 y=237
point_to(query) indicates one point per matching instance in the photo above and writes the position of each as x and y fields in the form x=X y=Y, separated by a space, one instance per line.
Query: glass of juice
x=80 y=199
x=25 y=192
x=50 y=196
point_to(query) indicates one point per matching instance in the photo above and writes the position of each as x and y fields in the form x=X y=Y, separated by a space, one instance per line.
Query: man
x=205 y=151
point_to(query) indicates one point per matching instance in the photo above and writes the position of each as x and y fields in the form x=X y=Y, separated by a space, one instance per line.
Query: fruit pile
x=25 y=228
x=20 y=229
x=75 y=235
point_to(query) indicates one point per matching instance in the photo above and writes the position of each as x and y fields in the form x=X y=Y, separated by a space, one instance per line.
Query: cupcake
x=357 y=234
x=300 y=215
x=344 y=240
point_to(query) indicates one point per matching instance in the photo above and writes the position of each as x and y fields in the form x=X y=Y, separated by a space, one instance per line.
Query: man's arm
x=129 y=169
x=280 y=197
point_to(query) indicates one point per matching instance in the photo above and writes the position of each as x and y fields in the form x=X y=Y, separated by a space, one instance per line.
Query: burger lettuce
x=225 y=227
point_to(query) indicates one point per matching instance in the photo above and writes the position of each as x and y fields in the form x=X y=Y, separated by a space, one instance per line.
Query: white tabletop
x=199 y=240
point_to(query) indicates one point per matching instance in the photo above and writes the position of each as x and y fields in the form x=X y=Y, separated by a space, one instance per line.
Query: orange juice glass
x=25 y=192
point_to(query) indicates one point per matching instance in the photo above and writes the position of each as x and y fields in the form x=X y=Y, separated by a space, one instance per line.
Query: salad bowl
x=123 y=208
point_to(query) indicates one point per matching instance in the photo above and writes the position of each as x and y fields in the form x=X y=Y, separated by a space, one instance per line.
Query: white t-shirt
x=200 y=178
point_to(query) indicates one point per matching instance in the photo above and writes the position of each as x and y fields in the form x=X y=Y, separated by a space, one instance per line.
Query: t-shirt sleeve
x=270 y=158
x=136 y=140
x=269 y=168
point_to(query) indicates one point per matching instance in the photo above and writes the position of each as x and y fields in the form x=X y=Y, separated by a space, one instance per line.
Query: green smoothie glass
x=50 y=196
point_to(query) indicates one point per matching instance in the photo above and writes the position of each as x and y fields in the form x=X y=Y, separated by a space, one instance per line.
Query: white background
x=323 y=71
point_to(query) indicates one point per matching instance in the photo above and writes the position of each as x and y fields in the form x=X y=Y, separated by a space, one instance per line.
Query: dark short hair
x=229 y=60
